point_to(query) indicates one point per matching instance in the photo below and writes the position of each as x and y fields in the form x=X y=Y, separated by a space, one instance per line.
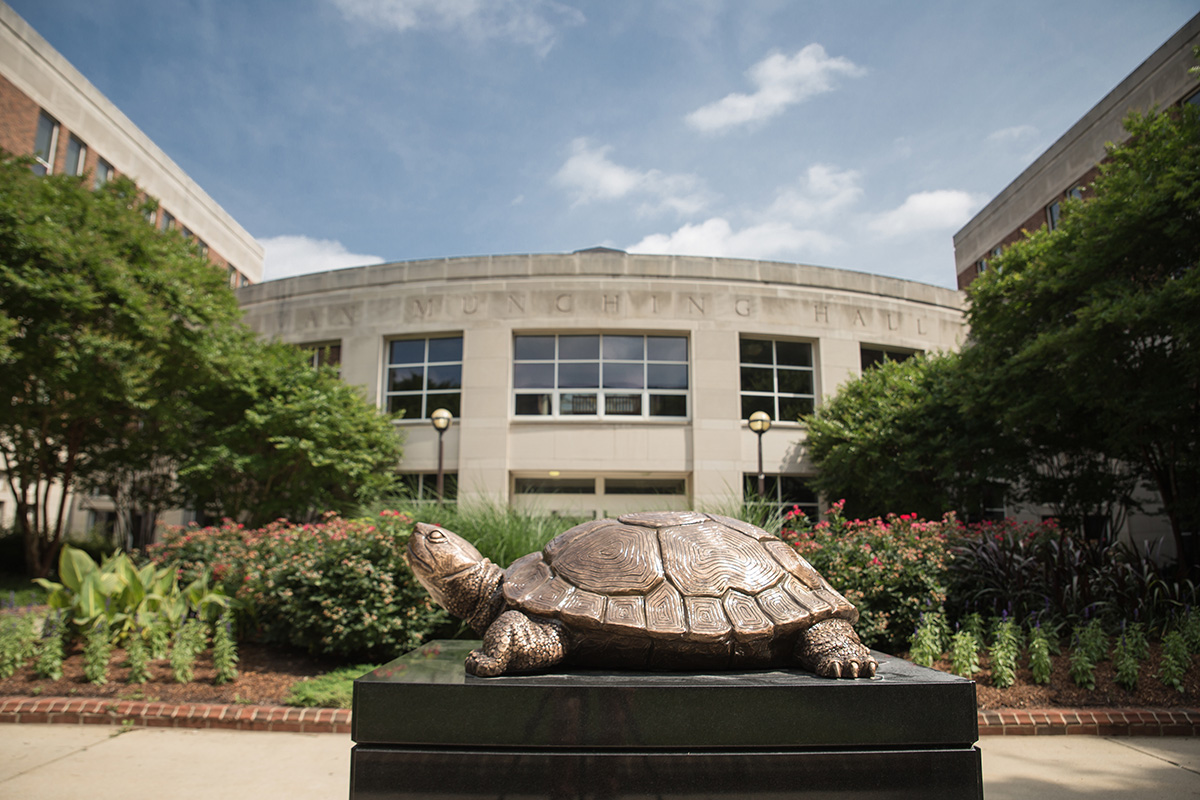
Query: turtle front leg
x=517 y=643
x=832 y=650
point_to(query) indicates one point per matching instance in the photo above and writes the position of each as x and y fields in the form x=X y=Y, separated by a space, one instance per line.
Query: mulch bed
x=266 y=674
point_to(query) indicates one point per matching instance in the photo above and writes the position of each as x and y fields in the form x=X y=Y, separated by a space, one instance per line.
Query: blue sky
x=858 y=135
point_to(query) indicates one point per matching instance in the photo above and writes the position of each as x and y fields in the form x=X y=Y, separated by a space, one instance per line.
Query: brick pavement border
x=139 y=713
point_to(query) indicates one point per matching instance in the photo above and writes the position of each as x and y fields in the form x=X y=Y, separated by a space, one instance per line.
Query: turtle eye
x=436 y=535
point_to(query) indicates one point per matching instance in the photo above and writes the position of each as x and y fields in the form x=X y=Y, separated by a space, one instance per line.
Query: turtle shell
x=687 y=576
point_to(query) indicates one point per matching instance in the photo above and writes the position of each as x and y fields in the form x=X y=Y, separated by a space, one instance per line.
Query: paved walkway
x=67 y=762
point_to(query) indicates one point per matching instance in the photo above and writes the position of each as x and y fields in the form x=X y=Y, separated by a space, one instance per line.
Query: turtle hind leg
x=832 y=649
x=517 y=643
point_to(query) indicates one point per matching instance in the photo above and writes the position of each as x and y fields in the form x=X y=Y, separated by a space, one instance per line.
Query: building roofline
x=594 y=264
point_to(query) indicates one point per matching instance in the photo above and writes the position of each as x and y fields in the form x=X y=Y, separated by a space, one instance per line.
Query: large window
x=600 y=375
x=874 y=356
x=777 y=377
x=105 y=173
x=423 y=375
x=45 y=143
x=76 y=155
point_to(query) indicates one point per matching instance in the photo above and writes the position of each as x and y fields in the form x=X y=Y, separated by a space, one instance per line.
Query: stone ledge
x=91 y=711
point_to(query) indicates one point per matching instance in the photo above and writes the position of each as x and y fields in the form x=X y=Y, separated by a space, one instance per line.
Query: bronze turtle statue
x=651 y=590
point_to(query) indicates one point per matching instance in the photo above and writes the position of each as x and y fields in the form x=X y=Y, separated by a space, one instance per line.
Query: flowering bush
x=893 y=568
x=338 y=587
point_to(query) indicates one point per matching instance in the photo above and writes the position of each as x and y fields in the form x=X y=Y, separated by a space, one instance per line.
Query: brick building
x=1070 y=165
x=50 y=111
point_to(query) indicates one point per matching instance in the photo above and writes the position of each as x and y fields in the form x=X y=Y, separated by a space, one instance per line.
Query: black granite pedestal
x=425 y=729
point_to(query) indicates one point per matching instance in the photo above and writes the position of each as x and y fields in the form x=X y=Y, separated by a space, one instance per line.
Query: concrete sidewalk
x=67 y=762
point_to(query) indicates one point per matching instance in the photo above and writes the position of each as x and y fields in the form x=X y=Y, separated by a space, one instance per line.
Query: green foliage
x=964 y=654
x=105 y=324
x=1176 y=661
x=501 y=533
x=338 y=587
x=1084 y=339
x=18 y=639
x=1039 y=656
x=898 y=437
x=332 y=690
x=1005 y=649
x=224 y=651
x=97 y=649
x=892 y=569
x=126 y=597
x=927 y=640
x=1082 y=668
x=188 y=643
x=1136 y=643
x=1091 y=638
x=1126 y=664
x=973 y=624
x=285 y=441
x=1039 y=571
x=159 y=635
x=139 y=666
x=51 y=651
x=1189 y=628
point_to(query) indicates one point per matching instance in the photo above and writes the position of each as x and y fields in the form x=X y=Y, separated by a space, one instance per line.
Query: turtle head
x=447 y=565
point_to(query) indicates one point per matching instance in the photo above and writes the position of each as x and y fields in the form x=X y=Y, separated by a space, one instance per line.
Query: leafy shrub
x=927 y=641
x=1005 y=649
x=892 y=569
x=1176 y=661
x=1037 y=570
x=1039 y=656
x=339 y=587
x=1125 y=664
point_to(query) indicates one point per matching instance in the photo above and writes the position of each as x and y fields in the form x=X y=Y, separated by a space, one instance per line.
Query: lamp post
x=441 y=419
x=760 y=423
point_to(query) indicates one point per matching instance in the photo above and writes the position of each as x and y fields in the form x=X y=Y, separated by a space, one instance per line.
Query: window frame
x=775 y=366
x=80 y=157
x=425 y=393
x=105 y=172
x=44 y=162
x=774 y=484
x=603 y=397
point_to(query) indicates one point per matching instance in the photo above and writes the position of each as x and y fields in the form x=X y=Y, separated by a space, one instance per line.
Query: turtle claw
x=482 y=665
x=832 y=650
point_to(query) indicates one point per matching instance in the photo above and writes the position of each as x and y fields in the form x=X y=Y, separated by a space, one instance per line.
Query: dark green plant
x=1126 y=664
x=1091 y=638
x=97 y=649
x=135 y=651
x=1136 y=642
x=964 y=655
x=224 y=651
x=973 y=624
x=1189 y=627
x=160 y=638
x=1039 y=656
x=1082 y=667
x=1005 y=649
x=926 y=646
x=51 y=651
x=186 y=645
x=1176 y=661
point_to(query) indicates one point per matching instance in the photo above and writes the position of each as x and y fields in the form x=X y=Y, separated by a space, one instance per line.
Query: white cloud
x=1012 y=134
x=781 y=81
x=940 y=209
x=823 y=191
x=716 y=237
x=527 y=22
x=288 y=256
x=590 y=176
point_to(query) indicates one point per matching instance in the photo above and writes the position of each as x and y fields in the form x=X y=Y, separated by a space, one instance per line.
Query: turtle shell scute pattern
x=683 y=576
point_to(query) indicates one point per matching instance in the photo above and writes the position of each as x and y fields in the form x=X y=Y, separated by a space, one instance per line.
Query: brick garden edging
x=141 y=713
x=1091 y=722
x=144 y=714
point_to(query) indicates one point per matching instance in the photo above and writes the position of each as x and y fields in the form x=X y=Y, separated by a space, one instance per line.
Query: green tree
x=284 y=440
x=1087 y=338
x=101 y=316
x=898 y=438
